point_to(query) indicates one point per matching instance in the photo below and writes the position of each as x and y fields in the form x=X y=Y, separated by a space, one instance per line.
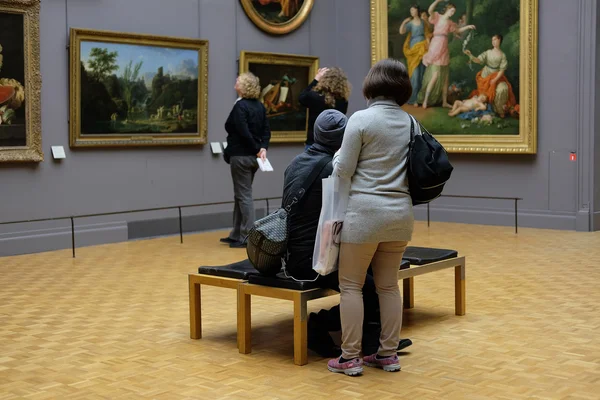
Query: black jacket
x=315 y=102
x=304 y=220
x=247 y=129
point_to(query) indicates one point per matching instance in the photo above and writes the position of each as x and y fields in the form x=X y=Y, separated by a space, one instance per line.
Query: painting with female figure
x=282 y=78
x=471 y=66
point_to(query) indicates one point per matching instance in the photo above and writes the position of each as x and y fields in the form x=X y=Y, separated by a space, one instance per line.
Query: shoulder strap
x=413 y=120
x=316 y=171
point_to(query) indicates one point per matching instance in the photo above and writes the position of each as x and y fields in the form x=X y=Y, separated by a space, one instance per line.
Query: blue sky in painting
x=180 y=62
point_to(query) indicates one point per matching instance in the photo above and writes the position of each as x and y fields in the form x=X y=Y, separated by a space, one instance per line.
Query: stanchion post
x=428 y=215
x=73 y=236
x=180 y=226
x=267 y=200
x=516 y=217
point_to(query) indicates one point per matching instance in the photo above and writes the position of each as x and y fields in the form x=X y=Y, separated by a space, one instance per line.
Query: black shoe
x=237 y=245
x=226 y=240
x=404 y=343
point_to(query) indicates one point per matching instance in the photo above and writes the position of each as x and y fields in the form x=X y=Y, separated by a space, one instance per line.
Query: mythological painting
x=472 y=67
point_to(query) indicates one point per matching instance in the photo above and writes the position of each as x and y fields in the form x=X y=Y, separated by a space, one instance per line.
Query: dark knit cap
x=329 y=129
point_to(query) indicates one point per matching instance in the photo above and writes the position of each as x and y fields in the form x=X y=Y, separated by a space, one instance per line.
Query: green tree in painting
x=469 y=13
x=102 y=63
x=117 y=96
x=130 y=77
x=158 y=82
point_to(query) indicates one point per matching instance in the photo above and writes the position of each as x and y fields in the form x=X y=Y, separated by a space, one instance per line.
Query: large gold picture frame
x=282 y=78
x=525 y=142
x=21 y=57
x=278 y=17
x=175 y=110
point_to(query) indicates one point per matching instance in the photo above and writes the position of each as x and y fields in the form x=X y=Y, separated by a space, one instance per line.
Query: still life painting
x=278 y=16
x=472 y=68
x=282 y=78
x=138 y=90
x=20 y=125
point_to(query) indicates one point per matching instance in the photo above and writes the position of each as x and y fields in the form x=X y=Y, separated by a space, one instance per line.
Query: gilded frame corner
x=526 y=141
x=278 y=29
x=77 y=35
x=32 y=151
x=312 y=62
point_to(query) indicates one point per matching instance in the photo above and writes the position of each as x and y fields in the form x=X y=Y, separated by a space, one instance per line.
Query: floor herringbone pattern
x=113 y=324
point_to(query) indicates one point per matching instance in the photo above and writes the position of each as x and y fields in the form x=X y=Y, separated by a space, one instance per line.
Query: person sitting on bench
x=328 y=133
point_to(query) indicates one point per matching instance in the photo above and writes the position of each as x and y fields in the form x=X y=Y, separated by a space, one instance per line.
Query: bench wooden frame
x=458 y=263
x=195 y=284
x=300 y=298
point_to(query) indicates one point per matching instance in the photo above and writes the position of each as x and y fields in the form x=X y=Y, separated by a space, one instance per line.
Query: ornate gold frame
x=120 y=140
x=247 y=57
x=526 y=141
x=278 y=29
x=32 y=151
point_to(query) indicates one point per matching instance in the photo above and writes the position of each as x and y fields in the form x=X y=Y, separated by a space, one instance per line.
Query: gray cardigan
x=373 y=155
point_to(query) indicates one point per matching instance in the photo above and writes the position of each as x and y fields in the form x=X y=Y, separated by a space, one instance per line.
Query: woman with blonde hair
x=248 y=136
x=329 y=90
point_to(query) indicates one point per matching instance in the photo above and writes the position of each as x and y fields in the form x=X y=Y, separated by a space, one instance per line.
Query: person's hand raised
x=320 y=73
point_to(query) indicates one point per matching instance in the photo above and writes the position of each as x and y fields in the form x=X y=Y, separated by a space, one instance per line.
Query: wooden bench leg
x=460 y=289
x=409 y=292
x=300 y=330
x=244 y=321
x=195 y=310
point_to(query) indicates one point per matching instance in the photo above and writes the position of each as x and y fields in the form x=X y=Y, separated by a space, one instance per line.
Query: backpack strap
x=316 y=171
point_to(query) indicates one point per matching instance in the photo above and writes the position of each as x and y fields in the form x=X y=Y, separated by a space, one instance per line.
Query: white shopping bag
x=327 y=243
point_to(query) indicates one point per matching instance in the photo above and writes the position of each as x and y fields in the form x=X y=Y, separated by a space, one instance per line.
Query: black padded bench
x=243 y=277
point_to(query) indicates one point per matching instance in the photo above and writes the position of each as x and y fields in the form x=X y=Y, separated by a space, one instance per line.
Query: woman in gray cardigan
x=379 y=217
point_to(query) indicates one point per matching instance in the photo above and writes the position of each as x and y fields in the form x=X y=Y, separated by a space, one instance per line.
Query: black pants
x=243 y=169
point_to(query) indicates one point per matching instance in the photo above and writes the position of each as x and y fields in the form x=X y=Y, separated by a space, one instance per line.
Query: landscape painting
x=20 y=82
x=465 y=62
x=282 y=78
x=146 y=91
x=278 y=16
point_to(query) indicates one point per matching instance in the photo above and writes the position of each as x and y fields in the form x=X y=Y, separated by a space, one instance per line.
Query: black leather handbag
x=267 y=240
x=428 y=165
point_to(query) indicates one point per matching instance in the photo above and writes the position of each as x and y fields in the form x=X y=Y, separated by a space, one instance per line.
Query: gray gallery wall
x=338 y=31
x=596 y=166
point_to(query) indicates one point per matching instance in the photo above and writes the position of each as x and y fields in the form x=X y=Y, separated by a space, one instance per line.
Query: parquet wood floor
x=113 y=324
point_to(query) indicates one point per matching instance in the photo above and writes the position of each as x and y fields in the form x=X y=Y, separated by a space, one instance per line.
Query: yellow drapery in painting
x=415 y=54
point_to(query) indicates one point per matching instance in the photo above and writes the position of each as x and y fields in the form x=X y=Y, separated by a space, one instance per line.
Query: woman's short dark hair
x=388 y=78
x=499 y=36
